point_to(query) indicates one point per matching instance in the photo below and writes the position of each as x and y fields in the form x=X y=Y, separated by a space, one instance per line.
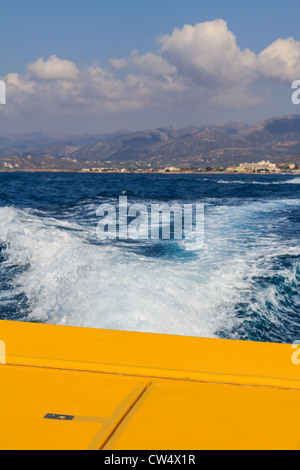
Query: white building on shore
x=260 y=166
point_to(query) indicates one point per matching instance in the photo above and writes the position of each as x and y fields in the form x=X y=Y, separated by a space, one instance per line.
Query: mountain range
x=276 y=139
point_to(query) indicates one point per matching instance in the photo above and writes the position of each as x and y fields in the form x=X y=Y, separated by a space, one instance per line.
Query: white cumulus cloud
x=53 y=69
x=208 y=54
x=281 y=60
x=199 y=67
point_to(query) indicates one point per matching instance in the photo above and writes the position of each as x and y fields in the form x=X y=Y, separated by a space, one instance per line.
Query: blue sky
x=85 y=32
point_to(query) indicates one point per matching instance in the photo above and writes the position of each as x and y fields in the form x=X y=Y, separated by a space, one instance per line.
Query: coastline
x=147 y=172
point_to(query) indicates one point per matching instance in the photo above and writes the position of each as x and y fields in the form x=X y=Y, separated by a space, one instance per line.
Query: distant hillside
x=41 y=143
x=276 y=139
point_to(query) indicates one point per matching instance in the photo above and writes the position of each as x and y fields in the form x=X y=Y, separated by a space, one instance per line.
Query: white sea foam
x=294 y=181
x=69 y=280
x=290 y=181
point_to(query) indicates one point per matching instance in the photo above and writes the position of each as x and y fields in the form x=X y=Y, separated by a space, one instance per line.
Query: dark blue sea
x=242 y=284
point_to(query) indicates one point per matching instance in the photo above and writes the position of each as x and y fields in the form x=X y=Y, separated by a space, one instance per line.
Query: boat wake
x=243 y=284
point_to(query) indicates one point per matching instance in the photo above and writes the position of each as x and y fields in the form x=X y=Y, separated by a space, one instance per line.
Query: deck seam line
x=175 y=379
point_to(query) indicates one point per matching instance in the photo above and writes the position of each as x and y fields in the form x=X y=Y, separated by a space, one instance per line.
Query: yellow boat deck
x=77 y=388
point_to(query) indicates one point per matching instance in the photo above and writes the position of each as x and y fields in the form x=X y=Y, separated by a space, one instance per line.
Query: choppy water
x=244 y=283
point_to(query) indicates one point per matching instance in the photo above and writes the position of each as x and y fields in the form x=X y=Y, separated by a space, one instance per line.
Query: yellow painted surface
x=27 y=395
x=131 y=391
x=203 y=416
